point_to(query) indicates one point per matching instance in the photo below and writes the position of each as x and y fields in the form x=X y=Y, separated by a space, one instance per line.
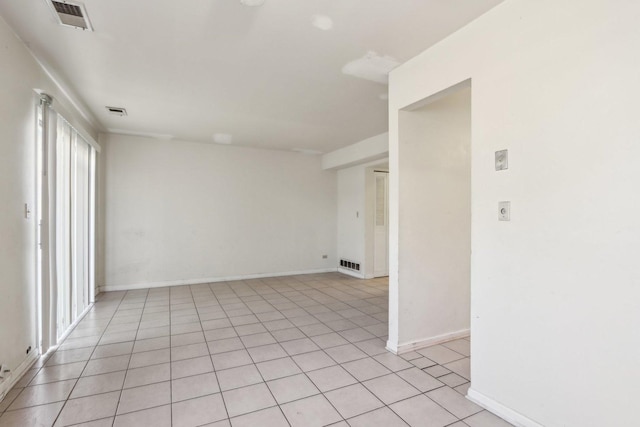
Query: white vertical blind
x=70 y=219
x=65 y=211
x=46 y=216
x=63 y=217
x=80 y=224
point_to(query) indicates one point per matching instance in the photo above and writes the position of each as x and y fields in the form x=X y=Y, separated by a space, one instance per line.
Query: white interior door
x=381 y=221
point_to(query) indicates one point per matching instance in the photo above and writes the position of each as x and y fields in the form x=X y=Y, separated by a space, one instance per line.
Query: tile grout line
x=302 y=370
x=224 y=404
x=259 y=373
x=288 y=376
x=363 y=385
x=290 y=356
x=87 y=362
x=130 y=357
x=256 y=298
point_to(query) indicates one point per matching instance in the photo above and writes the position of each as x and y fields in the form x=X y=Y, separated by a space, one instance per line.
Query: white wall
x=356 y=198
x=182 y=212
x=555 y=296
x=367 y=150
x=352 y=215
x=20 y=75
x=435 y=222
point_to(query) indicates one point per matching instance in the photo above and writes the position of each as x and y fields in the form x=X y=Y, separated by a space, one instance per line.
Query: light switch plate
x=504 y=211
x=502 y=160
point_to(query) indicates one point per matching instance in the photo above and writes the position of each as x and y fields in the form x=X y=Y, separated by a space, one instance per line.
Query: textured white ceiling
x=267 y=76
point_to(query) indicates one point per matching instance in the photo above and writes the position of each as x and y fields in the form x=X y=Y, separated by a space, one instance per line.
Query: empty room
x=265 y=213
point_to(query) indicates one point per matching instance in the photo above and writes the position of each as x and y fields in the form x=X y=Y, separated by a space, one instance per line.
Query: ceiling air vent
x=72 y=14
x=117 y=111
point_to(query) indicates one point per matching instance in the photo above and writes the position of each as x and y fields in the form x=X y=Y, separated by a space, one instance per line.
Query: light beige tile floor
x=288 y=351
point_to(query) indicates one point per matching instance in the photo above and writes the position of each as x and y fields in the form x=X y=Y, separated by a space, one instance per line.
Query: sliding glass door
x=74 y=211
x=66 y=222
x=80 y=225
x=63 y=220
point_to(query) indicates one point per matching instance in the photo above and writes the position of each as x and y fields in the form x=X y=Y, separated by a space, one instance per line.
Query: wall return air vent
x=355 y=266
x=71 y=14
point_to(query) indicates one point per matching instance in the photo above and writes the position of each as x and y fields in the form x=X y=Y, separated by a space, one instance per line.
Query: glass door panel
x=63 y=231
x=73 y=219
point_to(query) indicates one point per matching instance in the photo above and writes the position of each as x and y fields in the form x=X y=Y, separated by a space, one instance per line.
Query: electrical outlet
x=504 y=211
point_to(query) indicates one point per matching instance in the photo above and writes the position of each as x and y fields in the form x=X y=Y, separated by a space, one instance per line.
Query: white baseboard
x=507 y=414
x=111 y=288
x=350 y=273
x=15 y=375
x=426 y=342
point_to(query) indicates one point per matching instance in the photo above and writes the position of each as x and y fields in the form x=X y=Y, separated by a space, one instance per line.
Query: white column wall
x=555 y=295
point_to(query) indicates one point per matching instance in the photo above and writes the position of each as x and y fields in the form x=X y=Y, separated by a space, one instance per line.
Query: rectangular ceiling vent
x=117 y=111
x=71 y=14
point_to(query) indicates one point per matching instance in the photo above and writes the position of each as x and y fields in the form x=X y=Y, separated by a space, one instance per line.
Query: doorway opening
x=381 y=224
x=376 y=233
x=431 y=295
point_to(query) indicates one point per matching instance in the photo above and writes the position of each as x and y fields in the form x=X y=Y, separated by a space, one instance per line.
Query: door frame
x=44 y=212
x=370 y=205
x=378 y=273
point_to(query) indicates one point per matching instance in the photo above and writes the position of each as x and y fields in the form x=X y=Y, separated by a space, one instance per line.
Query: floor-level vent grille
x=350 y=265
